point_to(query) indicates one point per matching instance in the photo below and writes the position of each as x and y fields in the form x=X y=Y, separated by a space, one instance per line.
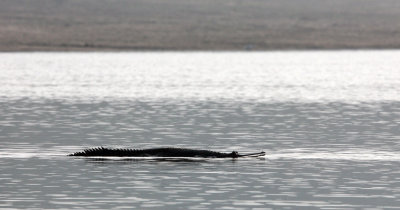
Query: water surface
x=327 y=120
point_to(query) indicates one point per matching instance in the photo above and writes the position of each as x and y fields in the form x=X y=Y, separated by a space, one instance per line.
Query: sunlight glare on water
x=276 y=76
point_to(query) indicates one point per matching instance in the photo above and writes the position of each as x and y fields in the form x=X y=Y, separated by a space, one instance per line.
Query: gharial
x=161 y=152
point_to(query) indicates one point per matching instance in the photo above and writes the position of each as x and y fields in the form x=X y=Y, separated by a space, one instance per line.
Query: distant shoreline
x=110 y=48
x=190 y=25
x=127 y=49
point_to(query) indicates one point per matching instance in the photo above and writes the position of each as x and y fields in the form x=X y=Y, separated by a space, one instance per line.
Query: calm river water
x=328 y=121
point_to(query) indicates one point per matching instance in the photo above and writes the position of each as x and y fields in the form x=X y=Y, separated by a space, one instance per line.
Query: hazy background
x=30 y=25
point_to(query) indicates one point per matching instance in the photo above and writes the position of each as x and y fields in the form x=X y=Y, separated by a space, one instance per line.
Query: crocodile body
x=158 y=152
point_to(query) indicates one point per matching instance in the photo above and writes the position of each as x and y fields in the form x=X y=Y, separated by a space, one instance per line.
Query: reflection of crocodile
x=161 y=152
